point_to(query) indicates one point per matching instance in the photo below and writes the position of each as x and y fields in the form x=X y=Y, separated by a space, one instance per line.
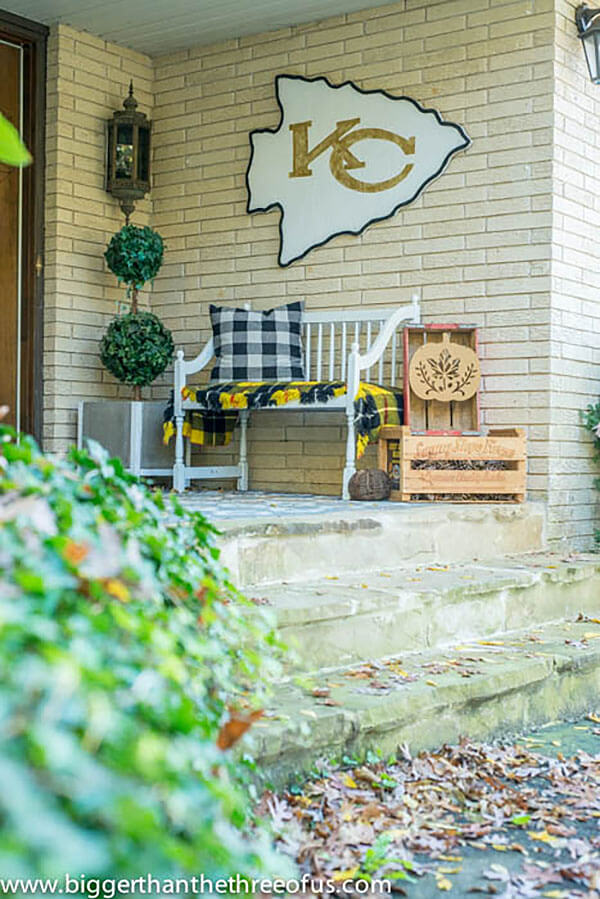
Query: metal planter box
x=130 y=430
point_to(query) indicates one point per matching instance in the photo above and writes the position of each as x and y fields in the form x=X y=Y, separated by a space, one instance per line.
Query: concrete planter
x=130 y=430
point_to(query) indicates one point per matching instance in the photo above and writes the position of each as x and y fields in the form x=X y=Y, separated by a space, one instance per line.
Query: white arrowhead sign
x=343 y=158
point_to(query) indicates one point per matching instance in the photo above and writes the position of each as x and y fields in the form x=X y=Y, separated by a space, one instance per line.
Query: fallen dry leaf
x=236 y=726
x=426 y=810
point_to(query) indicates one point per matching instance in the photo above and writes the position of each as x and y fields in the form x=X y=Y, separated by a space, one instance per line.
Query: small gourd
x=369 y=484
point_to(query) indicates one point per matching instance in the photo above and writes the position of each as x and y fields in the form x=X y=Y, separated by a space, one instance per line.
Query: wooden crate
x=399 y=447
x=426 y=416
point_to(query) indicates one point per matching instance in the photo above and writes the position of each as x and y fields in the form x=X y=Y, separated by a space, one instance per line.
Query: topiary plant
x=135 y=255
x=136 y=347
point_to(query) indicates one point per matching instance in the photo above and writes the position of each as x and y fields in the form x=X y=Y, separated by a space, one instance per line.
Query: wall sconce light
x=128 y=155
x=588 y=27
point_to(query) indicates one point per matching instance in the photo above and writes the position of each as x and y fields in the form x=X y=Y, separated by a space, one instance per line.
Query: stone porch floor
x=221 y=505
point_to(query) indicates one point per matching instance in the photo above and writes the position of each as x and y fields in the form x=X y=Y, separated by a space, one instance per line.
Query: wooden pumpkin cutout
x=444 y=371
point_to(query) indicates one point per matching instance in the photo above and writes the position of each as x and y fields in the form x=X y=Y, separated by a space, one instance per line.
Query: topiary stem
x=134 y=301
x=137 y=392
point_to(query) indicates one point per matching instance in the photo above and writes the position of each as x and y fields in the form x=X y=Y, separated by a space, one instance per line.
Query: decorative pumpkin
x=369 y=484
x=444 y=371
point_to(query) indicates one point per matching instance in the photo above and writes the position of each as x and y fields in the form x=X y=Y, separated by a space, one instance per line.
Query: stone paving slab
x=293 y=544
x=223 y=505
x=480 y=689
x=337 y=619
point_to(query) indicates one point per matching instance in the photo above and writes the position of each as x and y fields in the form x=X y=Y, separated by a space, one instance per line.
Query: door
x=11 y=191
x=22 y=92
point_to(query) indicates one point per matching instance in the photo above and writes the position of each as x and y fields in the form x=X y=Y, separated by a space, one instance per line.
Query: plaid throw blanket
x=214 y=421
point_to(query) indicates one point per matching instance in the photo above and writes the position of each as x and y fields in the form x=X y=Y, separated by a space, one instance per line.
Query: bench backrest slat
x=335 y=331
x=319 y=351
x=353 y=314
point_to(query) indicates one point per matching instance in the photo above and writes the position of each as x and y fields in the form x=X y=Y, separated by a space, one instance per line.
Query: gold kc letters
x=342 y=159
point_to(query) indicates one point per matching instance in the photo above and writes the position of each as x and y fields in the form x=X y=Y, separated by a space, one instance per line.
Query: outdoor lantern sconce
x=588 y=27
x=128 y=155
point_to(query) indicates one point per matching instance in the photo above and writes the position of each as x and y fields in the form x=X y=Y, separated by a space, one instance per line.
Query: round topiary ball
x=135 y=254
x=136 y=348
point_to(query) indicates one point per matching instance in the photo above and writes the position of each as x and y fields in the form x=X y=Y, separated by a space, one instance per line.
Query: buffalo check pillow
x=257 y=346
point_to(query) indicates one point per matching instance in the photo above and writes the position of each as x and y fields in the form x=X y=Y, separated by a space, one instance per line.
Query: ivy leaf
x=520 y=820
x=12 y=149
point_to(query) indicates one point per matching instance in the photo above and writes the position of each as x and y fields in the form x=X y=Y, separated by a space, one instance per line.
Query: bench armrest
x=183 y=369
x=358 y=362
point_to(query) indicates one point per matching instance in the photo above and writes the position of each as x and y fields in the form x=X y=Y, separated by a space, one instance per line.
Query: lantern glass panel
x=144 y=154
x=109 y=154
x=591 y=45
x=124 y=160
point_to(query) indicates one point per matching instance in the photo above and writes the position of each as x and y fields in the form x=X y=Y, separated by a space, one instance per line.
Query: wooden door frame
x=33 y=37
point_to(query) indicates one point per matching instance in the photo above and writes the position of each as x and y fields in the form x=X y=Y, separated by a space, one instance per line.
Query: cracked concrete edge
x=355 y=518
x=313 y=551
x=563 y=682
x=327 y=632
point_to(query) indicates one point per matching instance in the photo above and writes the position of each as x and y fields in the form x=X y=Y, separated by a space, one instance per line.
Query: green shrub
x=136 y=348
x=123 y=651
x=135 y=255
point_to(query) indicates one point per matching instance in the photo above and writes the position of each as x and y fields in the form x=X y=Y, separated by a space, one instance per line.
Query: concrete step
x=342 y=619
x=480 y=689
x=283 y=546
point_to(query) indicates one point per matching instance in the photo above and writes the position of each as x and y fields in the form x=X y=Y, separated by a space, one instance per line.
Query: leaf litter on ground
x=428 y=815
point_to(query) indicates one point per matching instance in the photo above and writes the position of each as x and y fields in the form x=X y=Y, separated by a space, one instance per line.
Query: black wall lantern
x=588 y=26
x=128 y=155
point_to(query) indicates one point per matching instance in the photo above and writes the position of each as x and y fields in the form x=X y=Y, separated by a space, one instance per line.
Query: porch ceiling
x=162 y=26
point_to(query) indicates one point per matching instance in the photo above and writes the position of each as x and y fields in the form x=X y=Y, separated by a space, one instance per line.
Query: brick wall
x=88 y=79
x=505 y=238
x=575 y=345
x=476 y=244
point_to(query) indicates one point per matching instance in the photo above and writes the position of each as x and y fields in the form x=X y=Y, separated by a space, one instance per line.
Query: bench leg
x=350 y=466
x=188 y=459
x=179 y=466
x=242 y=483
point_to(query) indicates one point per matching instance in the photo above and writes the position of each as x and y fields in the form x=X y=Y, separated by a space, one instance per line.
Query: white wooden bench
x=332 y=343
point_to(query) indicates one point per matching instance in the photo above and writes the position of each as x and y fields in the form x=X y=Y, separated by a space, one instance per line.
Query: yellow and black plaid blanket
x=213 y=423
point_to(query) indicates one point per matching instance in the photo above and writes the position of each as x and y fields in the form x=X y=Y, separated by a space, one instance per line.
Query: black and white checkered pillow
x=257 y=346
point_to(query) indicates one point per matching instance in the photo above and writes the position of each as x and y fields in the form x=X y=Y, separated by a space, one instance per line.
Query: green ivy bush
x=136 y=348
x=123 y=651
x=135 y=255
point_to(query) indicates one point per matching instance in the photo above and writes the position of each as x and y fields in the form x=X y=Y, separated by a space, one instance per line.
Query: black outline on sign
x=277 y=205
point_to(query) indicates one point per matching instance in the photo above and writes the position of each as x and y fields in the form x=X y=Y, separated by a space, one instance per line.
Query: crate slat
x=423 y=480
x=432 y=415
x=439 y=415
x=443 y=449
x=399 y=448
